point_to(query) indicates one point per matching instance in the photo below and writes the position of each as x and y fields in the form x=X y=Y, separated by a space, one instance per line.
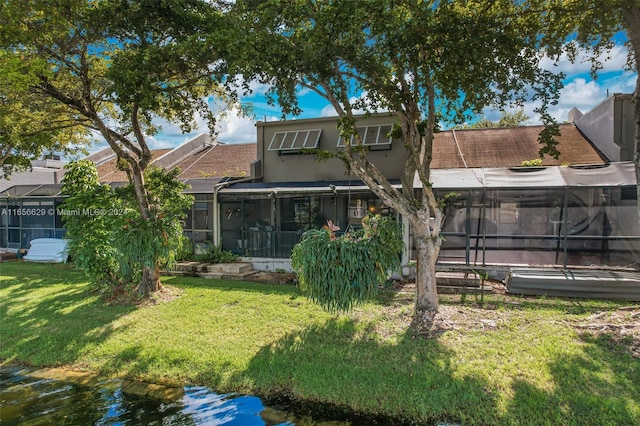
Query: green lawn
x=514 y=361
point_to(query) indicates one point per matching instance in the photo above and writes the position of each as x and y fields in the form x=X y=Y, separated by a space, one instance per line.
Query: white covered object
x=48 y=250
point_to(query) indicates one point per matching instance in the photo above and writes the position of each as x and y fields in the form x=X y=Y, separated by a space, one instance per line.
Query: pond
x=29 y=397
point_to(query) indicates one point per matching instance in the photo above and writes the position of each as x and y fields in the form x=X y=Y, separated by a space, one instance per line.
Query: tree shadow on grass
x=245 y=286
x=339 y=361
x=600 y=385
x=49 y=316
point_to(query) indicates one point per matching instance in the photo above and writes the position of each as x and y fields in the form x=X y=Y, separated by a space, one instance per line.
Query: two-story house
x=579 y=209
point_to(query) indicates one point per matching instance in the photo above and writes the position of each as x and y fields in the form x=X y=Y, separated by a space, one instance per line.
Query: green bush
x=536 y=162
x=216 y=255
x=338 y=272
x=185 y=248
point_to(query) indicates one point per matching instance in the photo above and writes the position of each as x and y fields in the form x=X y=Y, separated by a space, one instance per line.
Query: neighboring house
x=31 y=210
x=610 y=125
x=42 y=171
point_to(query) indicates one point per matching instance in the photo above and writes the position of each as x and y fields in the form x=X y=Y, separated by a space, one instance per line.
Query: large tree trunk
x=150 y=280
x=426 y=289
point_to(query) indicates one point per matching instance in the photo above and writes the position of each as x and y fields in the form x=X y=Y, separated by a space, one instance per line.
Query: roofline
x=321 y=119
x=530 y=126
x=604 y=158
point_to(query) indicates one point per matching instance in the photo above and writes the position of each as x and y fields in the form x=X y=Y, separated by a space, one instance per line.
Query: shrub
x=536 y=162
x=108 y=238
x=185 y=248
x=338 y=272
x=216 y=255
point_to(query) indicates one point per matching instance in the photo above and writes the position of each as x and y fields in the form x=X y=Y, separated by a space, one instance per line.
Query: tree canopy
x=113 y=68
x=507 y=119
x=423 y=61
x=30 y=126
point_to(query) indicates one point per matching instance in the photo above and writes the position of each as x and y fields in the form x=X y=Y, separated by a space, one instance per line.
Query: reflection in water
x=28 y=400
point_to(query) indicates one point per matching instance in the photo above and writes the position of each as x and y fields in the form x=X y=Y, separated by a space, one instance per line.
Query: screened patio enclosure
x=564 y=216
x=28 y=212
x=561 y=216
x=267 y=220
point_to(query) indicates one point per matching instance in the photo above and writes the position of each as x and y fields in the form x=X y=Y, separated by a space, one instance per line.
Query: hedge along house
x=31 y=208
x=582 y=213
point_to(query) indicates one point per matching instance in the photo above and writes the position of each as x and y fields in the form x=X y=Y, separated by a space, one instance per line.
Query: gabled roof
x=108 y=170
x=198 y=158
x=508 y=147
x=221 y=160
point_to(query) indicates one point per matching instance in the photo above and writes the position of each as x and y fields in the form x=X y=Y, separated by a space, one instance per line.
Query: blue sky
x=580 y=90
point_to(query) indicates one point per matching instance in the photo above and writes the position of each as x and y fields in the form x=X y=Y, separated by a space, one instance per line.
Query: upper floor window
x=295 y=140
x=375 y=137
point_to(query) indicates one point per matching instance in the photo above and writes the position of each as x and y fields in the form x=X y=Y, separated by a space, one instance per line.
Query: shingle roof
x=221 y=160
x=108 y=171
x=508 y=147
x=492 y=147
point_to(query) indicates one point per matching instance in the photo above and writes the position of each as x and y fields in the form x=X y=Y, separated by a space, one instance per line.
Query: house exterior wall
x=609 y=126
x=295 y=167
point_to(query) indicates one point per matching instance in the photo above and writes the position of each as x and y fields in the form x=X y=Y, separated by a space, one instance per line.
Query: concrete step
x=458 y=278
x=224 y=276
x=209 y=270
x=225 y=268
x=458 y=289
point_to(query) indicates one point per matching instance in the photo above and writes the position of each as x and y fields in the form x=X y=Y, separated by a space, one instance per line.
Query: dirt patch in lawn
x=167 y=293
x=272 y=277
x=618 y=327
x=621 y=326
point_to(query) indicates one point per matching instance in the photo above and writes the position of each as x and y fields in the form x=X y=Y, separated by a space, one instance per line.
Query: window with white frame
x=376 y=136
x=295 y=140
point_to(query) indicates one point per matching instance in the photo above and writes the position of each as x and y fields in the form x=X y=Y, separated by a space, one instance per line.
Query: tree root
x=422 y=322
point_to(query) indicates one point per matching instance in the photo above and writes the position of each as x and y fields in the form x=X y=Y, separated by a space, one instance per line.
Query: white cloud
x=579 y=92
x=256 y=88
x=234 y=127
x=612 y=61
x=328 y=111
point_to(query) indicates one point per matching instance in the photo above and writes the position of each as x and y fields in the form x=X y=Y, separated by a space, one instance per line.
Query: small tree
x=339 y=271
x=90 y=235
x=507 y=119
x=109 y=239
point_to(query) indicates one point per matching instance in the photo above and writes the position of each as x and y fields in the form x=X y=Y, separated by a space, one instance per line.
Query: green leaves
x=340 y=272
x=108 y=237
